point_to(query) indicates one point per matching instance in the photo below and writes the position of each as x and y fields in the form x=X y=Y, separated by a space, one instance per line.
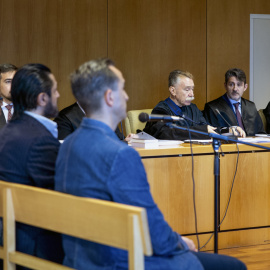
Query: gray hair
x=174 y=75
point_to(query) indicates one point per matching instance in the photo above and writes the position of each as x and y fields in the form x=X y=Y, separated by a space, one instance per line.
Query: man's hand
x=190 y=243
x=129 y=137
x=238 y=131
x=211 y=129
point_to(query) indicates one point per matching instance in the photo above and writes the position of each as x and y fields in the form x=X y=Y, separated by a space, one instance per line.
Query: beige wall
x=146 y=38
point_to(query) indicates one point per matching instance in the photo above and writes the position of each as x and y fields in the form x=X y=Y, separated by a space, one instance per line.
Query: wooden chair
x=132 y=122
x=108 y=223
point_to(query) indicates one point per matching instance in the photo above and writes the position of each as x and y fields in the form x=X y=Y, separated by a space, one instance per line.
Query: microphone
x=145 y=117
x=217 y=110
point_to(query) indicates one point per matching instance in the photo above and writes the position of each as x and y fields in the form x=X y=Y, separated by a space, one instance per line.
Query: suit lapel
x=2 y=119
x=226 y=108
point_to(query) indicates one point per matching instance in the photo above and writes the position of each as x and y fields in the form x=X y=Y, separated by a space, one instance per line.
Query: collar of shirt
x=4 y=104
x=233 y=102
x=46 y=122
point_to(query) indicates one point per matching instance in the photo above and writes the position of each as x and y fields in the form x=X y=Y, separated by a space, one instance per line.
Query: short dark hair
x=90 y=81
x=4 y=68
x=235 y=72
x=174 y=75
x=29 y=81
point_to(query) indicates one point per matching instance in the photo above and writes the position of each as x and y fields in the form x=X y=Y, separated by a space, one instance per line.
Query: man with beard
x=232 y=109
x=7 y=72
x=28 y=150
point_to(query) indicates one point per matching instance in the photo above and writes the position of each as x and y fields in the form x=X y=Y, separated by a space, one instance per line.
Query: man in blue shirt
x=92 y=162
x=28 y=150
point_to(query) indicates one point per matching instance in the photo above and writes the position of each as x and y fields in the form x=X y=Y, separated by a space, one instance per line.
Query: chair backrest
x=132 y=122
x=108 y=223
x=263 y=119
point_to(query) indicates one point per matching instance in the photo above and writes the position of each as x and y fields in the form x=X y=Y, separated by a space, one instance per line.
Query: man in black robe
x=70 y=118
x=181 y=87
x=236 y=110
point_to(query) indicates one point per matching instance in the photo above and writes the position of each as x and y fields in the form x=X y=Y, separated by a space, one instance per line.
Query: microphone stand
x=216 y=144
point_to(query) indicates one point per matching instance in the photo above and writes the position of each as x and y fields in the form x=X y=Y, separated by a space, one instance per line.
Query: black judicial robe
x=250 y=117
x=266 y=112
x=69 y=119
x=161 y=131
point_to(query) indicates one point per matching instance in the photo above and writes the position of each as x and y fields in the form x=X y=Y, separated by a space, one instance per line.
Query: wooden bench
x=108 y=223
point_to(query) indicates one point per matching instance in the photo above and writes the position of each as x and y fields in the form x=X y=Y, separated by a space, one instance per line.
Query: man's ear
x=109 y=97
x=42 y=99
x=172 y=90
x=245 y=87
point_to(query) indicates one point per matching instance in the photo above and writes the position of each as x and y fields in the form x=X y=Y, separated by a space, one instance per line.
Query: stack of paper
x=144 y=140
x=147 y=144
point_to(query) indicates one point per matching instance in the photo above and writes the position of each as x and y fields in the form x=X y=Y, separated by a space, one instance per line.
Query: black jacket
x=266 y=112
x=250 y=117
x=69 y=119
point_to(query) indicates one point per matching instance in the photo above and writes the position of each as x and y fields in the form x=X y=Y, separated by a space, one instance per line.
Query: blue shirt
x=92 y=162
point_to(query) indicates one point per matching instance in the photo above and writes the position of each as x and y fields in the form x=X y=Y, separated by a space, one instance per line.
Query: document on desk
x=202 y=142
x=262 y=135
x=259 y=139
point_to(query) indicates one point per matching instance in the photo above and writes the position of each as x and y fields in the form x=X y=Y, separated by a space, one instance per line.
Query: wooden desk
x=247 y=222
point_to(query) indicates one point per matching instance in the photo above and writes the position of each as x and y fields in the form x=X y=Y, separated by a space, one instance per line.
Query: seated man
x=28 y=150
x=7 y=72
x=181 y=87
x=93 y=162
x=69 y=119
x=236 y=110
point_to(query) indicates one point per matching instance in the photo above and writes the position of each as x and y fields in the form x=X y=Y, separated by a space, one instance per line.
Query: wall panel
x=149 y=38
x=146 y=38
x=228 y=31
x=59 y=33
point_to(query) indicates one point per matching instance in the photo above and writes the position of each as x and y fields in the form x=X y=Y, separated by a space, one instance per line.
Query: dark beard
x=50 y=111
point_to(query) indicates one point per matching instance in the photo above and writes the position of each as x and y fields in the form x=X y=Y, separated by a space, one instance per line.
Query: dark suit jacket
x=250 y=117
x=2 y=119
x=69 y=119
x=266 y=112
x=28 y=153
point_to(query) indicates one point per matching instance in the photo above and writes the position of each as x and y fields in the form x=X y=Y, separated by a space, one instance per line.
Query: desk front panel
x=171 y=184
x=247 y=222
x=250 y=203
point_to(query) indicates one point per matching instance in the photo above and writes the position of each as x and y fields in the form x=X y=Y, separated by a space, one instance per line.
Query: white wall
x=260 y=60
